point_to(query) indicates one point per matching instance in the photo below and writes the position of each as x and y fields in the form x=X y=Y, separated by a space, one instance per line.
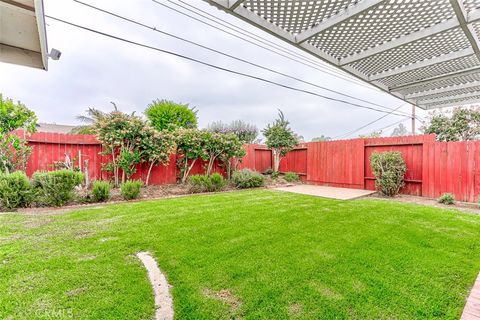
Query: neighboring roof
x=53 y=127
x=22 y=33
x=425 y=52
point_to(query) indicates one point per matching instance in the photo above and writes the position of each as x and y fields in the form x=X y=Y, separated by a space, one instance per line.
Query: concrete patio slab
x=327 y=192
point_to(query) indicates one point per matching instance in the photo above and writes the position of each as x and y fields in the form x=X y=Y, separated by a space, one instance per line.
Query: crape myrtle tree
x=14 y=151
x=156 y=148
x=190 y=148
x=223 y=147
x=168 y=115
x=459 y=124
x=280 y=138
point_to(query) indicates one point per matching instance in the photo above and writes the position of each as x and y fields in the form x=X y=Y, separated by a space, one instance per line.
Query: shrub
x=55 y=188
x=131 y=189
x=275 y=175
x=269 y=171
x=206 y=183
x=101 y=191
x=291 y=177
x=15 y=190
x=447 y=198
x=389 y=169
x=247 y=179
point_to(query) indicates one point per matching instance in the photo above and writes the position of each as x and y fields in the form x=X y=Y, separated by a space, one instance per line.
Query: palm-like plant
x=91 y=116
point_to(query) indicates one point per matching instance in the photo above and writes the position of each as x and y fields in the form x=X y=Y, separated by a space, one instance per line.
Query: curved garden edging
x=161 y=288
x=472 y=307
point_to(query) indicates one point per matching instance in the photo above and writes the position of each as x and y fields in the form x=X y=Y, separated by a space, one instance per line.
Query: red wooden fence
x=433 y=167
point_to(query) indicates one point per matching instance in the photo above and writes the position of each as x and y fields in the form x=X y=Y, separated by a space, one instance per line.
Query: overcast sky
x=94 y=70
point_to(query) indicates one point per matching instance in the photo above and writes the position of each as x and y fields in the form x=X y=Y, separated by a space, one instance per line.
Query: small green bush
x=131 y=189
x=275 y=175
x=389 y=169
x=205 y=183
x=247 y=179
x=291 y=177
x=55 y=188
x=101 y=191
x=15 y=190
x=447 y=198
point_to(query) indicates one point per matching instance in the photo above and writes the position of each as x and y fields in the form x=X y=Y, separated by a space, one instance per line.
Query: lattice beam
x=422 y=64
x=348 y=13
x=451 y=103
x=232 y=4
x=450 y=98
x=420 y=95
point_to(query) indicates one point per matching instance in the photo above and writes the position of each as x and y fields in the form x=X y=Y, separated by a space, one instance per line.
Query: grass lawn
x=253 y=254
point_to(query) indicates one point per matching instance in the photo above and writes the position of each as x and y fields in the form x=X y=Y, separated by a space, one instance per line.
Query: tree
x=400 y=130
x=222 y=146
x=190 y=148
x=156 y=148
x=14 y=151
x=280 y=138
x=373 y=134
x=168 y=115
x=120 y=135
x=247 y=133
x=461 y=124
x=92 y=115
x=321 y=138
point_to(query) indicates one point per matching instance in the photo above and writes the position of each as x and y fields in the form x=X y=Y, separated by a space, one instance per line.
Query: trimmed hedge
x=205 y=183
x=101 y=191
x=15 y=190
x=131 y=189
x=247 y=178
x=55 y=188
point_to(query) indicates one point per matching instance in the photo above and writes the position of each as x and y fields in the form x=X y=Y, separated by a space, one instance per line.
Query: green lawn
x=253 y=255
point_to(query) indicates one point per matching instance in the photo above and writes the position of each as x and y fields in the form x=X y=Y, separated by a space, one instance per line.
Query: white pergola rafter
x=377 y=32
x=345 y=15
x=450 y=103
x=419 y=95
x=446 y=99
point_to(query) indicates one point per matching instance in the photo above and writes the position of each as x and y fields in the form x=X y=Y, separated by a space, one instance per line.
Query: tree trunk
x=211 y=162
x=276 y=160
x=186 y=173
x=148 y=173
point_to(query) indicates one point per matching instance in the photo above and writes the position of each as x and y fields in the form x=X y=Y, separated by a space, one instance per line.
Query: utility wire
x=338 y=75
x=231 y=26
x=368 y=124
x=215 y=66
x=136 y=22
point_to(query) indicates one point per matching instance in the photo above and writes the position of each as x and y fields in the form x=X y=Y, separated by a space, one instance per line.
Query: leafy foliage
x=247 y=178
x=190 y=148
x=447 y=198
x=101 y=191
x=91 y=117
x=168 y=115
x=461 y=124
x=389 y=169
x=280 y=138
x=246 y=133
x=55 y=188
x=223 y=146
x=206 y=183
x=121 y=135
x=15 y=190
x=291 y=177
x=156 y=147
x=321 y=138
x=373 y=134
x=131 y=189
x=14 y=151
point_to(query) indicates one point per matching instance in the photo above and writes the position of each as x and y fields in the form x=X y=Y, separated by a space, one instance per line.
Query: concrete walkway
x=472 y=308
x=327 y=192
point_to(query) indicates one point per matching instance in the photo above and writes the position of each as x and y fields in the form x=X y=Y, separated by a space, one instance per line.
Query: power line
x=136 y=22
x=368 y=124
x=338 y=75
x=214 y=66
x=242 y=31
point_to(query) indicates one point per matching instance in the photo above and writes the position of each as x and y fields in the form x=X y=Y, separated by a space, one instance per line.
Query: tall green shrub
x=206 y=183
x=389 y=170
x=247 y=178
x=101 y=191
x=131 y=189
x=168 y=115
x=15 y=190
x=55 y=188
